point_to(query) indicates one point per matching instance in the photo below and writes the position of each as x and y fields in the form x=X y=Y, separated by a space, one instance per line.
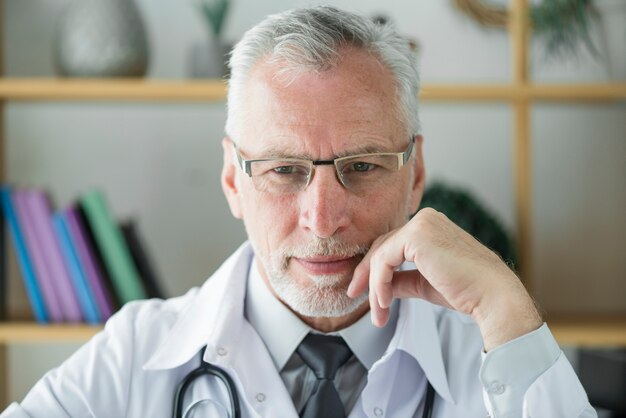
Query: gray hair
x=310 y=39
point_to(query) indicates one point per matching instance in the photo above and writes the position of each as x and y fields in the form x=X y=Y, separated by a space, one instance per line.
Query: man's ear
x=228 y=179
x=419 y=175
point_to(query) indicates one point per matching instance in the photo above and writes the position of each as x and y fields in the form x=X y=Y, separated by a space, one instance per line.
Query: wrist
x=506 y=315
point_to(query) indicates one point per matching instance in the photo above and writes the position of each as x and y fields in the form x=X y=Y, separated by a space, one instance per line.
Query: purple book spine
x=42 y=214
x=90 y=265
x=33 y=245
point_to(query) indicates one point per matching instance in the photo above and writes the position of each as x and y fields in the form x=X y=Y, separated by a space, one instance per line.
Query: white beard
x=325 y=295
x=321 y=299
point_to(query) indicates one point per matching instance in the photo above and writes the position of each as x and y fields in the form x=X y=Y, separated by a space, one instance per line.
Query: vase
x=612 y=14
x=101 y=38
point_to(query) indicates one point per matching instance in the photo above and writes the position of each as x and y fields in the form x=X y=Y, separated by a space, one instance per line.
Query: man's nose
x=324 y=203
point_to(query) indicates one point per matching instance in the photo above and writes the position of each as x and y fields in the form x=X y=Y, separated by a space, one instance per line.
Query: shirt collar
x=368 y=342
x=417 y=335
x=264 y=311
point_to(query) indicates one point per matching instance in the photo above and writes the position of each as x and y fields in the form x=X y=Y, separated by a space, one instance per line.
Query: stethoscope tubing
x=210 y=369
x=203 y=370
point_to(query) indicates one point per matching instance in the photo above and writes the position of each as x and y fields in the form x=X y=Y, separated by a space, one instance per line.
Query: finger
x=379 y=315
x=412 y=284
x=382 y=267
x=360 y=278
x=381 y=277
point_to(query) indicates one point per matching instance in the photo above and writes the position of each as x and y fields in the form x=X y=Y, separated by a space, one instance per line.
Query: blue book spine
x=77 y=275
x=28 y=272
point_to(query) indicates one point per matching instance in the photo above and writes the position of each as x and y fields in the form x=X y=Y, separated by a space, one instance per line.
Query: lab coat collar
x=215 y=315
x=418 y=336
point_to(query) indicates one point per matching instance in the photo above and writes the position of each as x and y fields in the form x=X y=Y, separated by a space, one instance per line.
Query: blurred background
x=159 y=163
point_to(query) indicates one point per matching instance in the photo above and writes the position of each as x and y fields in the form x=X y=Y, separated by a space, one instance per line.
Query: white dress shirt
x=133 y=367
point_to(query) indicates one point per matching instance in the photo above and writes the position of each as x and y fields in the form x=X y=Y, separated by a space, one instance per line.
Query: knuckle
x=428 y=211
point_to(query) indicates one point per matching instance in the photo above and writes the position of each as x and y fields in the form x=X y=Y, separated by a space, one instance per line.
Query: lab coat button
x=221 y=351
x=496 y=388
x=260 y=397
x=378 y=412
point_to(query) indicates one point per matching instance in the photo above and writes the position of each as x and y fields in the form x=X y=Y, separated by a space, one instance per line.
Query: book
x=97 y=255
x=86 y=299
x=110 y=241
x=142 y=261
x=35 y=252
x=91 y=267
x=28 y=275
x=41 y=211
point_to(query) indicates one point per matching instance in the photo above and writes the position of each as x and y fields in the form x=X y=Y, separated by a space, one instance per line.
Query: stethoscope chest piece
x=203 y=408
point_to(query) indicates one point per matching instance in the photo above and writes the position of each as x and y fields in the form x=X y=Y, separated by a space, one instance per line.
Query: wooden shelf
x=25 y=332
x=43 y=89
x=534 y=92
x=51 y=89
x=595 y=331
x=591 y=332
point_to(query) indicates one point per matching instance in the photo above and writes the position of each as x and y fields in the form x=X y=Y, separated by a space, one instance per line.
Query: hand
x=453 y=270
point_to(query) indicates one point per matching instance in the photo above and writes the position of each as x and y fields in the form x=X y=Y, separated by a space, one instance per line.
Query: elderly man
x=323 y=163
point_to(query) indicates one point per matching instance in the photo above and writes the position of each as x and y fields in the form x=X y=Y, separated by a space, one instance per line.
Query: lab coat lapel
x=215 y=314
x=232 y=343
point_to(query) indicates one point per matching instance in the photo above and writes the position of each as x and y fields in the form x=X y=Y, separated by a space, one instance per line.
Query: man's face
x=309 y=242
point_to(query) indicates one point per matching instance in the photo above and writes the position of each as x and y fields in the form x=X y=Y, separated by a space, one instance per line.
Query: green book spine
x=113 y=248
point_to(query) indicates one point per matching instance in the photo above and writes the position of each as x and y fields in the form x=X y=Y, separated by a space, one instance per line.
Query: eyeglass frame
x=403 y=157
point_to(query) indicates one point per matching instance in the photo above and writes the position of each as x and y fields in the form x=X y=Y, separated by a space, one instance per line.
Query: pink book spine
x=93 y=271
x=33 y=245
x=42 y=214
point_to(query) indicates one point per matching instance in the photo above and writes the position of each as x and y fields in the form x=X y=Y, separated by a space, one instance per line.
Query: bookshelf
x=520 y=94
x=569 y=331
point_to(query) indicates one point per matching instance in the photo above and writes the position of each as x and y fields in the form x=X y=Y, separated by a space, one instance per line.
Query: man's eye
x=285 y=169
x=361 y=167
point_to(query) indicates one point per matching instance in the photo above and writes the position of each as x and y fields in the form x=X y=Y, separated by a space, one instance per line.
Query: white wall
x=160 y=162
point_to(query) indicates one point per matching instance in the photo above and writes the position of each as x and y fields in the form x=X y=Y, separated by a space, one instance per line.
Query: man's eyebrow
x=362 y=149
x=274 y=151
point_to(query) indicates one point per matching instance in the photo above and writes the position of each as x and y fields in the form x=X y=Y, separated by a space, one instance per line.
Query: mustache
x=322 y=247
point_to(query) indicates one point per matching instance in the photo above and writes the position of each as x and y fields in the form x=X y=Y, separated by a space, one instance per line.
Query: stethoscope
x=210 y=369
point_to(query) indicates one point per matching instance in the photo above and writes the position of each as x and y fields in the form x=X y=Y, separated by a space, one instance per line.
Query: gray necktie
x=324 y=355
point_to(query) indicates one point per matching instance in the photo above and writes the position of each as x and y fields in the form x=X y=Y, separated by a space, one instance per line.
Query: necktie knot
x=324 y=354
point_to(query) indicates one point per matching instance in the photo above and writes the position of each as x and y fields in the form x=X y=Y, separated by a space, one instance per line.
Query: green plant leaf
x=214 y=11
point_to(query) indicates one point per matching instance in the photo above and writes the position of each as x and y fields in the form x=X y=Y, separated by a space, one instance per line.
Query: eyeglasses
x=360 y=173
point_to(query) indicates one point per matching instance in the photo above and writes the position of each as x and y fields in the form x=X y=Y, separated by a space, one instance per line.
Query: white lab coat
x=133 y=367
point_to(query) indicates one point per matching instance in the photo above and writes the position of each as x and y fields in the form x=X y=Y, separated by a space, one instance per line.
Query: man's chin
x=338 y=282
x=321 y=301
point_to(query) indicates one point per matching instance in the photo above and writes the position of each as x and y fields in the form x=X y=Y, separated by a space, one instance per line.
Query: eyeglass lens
x=359 y=174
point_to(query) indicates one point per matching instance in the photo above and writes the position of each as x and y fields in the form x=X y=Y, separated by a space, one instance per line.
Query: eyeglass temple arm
x=243 y=164
x=404 y=157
